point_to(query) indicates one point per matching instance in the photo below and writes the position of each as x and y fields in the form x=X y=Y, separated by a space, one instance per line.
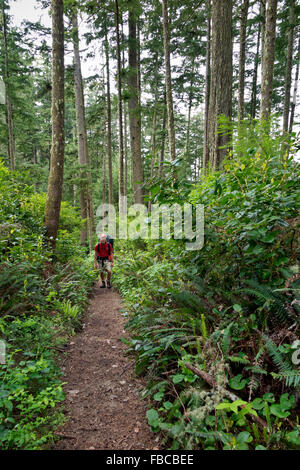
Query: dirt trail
x=103 y=405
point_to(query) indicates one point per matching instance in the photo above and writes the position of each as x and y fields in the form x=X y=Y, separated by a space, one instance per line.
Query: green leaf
x=153 y=418
x=158 y=396
x=237 y=308
x=293 y=437
x=238 y=383
x=177 y=378
x=277 y=410
x=167 y=405
x=244 y=436
x=268 y=238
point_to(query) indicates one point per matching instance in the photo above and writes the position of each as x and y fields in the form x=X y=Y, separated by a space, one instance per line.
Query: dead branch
x=207 y=378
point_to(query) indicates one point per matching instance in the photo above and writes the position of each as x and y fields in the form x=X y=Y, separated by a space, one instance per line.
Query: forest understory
x=171 y=106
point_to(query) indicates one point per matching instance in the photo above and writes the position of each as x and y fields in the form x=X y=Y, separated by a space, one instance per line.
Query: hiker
x=104 y=259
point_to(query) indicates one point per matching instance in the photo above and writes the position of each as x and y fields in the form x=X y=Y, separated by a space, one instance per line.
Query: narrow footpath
x=103 y=406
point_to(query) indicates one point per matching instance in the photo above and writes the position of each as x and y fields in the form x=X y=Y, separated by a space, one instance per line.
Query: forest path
x=102 y=405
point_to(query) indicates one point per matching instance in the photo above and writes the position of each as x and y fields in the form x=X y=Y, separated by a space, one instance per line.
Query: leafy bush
x=39 y=308
x=231 y=309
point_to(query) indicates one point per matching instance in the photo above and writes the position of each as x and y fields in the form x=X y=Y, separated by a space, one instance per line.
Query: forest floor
x=103 y=407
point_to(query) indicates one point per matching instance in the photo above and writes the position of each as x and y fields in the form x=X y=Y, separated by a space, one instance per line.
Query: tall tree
x=86 y=200
x=120 y=106
x=220 y=102
x=168 y=78
x=134 y=104
x=242 y=56
x=125 y=107
x=288 y=68
x=253 y=103
x=9 y=117
x=188 y=130
x=207 y=83
x=268 y=59
x=163 y=137
x=109 y=133
x=104 y=162
x=293 y=105
x=54 y=195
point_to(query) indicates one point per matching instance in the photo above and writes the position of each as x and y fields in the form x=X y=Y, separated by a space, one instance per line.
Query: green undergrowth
x=41 y=305
x=230 y=310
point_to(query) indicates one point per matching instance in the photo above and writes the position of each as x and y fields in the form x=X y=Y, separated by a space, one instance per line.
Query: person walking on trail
x=104 y=260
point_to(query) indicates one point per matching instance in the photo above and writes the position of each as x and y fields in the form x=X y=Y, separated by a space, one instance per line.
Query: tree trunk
x=135 y=110
x=220 y=102
x=86 y=187
x=125 y=127
x=255 y=72
x=263 y=23
x=109 y=133
x=168 y=79
x=54 y=195
x=242 y=55
x=163 y=140
x=268 y=60
x=139 y=62
x=120 y=107
x=153 y=140
x=207 y=85
x=293 y=105
x=11 y=143
x=187 y=143
x=104 y=163
x=289 y=66
x=154 y=124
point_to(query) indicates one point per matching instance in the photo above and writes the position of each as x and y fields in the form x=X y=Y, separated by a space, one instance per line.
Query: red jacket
x=103 y=250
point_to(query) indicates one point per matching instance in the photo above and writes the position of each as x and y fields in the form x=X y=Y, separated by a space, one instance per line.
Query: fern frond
x=272 y=300
x=277 y=357
x=187 y=299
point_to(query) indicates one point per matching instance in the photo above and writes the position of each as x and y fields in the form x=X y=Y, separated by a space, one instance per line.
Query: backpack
x=109 y=245
x=110 y=240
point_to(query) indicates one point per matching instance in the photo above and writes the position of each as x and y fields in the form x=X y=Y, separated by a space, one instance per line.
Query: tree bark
x=154 y=122
x=109 y=133
x=135 y=110
x=104 y=161
x=289 y=66
x=120 y=107
x=263 y=23
x=220 y=102
x=163 y=139
x=268 y=60
x=125 y=127
x=255 y=73
x=207 y=84
x=294 y=101
x=168 y=79
x=242 y=56
x=187 y=143
x=10 y=125
x=87 y=210
x=54 y=195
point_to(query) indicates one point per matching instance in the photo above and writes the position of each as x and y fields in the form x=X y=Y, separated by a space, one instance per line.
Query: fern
x=272 y=300
x=292 y=378
x=286 y=369
x=187 y=299
x=255 y=377
x=203 y=326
